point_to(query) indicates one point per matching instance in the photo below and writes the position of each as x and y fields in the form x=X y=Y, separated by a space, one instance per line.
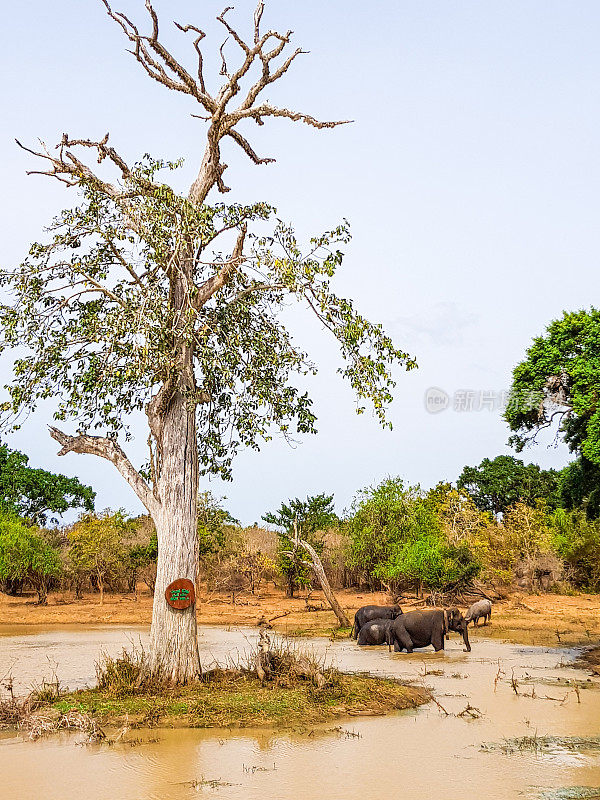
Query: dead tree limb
x=268 y=51
x=111 y=451
x=317 y=567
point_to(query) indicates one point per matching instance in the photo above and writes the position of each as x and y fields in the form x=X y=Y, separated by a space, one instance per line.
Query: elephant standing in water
x=367 y=613
x=375 y=632
x=422 y=628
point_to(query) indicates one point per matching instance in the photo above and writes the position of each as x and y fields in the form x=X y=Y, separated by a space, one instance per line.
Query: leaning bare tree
x=316 y=565
x=143 y=300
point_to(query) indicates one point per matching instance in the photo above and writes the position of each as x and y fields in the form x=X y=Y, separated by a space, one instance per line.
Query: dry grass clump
x=124 y=675
x=41 y=724
x=36 y=715
x=15 y=710
x=543 y=744
x=284 y=662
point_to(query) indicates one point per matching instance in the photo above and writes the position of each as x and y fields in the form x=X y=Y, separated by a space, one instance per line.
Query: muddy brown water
x=412 y=754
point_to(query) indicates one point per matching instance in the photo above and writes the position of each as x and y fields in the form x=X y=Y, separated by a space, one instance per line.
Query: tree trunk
x=13 y=587
x=42 y=592
x=174 y=656
x=322 y=578
x=290 y=584
x=101 y=588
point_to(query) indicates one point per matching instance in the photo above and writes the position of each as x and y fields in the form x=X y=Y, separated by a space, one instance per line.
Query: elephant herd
x=389 y=625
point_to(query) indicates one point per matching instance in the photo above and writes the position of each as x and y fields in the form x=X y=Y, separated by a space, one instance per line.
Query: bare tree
x=316 y=565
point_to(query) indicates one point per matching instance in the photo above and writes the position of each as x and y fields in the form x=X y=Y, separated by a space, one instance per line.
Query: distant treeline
x=504 y=523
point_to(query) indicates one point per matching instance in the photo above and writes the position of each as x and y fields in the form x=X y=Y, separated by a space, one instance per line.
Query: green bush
x=396 y=535
x=26 y=556
x=576 y=539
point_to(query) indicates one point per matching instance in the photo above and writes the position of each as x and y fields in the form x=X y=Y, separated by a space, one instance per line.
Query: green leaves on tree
x=37 y=493
x=561 y=367
x=94 y=310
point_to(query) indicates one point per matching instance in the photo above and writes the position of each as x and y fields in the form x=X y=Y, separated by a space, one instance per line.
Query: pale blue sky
x=470 y=178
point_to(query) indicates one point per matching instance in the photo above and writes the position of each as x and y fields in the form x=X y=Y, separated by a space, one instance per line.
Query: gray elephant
x=375 y=632
x=422 y=628
x=482 y=608
x=367 y=613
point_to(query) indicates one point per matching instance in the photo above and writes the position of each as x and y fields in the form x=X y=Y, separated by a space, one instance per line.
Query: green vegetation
x=504 y=522
x=298 y=691
x=213 y=524
x=36 y=493
x=396 y=536
x=561 y=375
x=576 y=539
x=497 y=484
x=313 y=517
x=580 y=487
x=96 y=547
x=25 y=556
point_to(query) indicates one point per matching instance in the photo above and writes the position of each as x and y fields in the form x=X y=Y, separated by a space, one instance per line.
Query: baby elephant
x=367 y=613
x=482 y=608
x=375 y=631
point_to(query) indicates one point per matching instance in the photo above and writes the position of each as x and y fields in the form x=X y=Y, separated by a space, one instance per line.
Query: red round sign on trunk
x=180 y=594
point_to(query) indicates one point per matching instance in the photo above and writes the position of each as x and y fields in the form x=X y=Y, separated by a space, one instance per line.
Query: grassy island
x=278 y=684
x=228 y=699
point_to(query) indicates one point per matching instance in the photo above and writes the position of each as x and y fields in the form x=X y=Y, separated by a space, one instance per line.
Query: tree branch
x=111 y=451
x=317 y=567
x=197 y=40
x=247 y=148
x=265 y=110
x=182 y=80
x=69 y=169
x=216 y=282
x=162 y=66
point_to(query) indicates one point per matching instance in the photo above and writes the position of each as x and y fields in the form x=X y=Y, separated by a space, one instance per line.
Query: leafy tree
x=213 y=523
x=242 y=569
x=313 y=515
x=148 y=570
x=143 y=299
x=579 y=487
x=141 y=554
x=26 y=556
x=416 y=555
x=576 y=539
x=35 y=493
x=462 y=521
x=561 y=373
x=97 y=547
x=377 y=519
x=497 y=484
x=527 y=529
x=397 y=534
x=423 y=557
x=255 y=567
